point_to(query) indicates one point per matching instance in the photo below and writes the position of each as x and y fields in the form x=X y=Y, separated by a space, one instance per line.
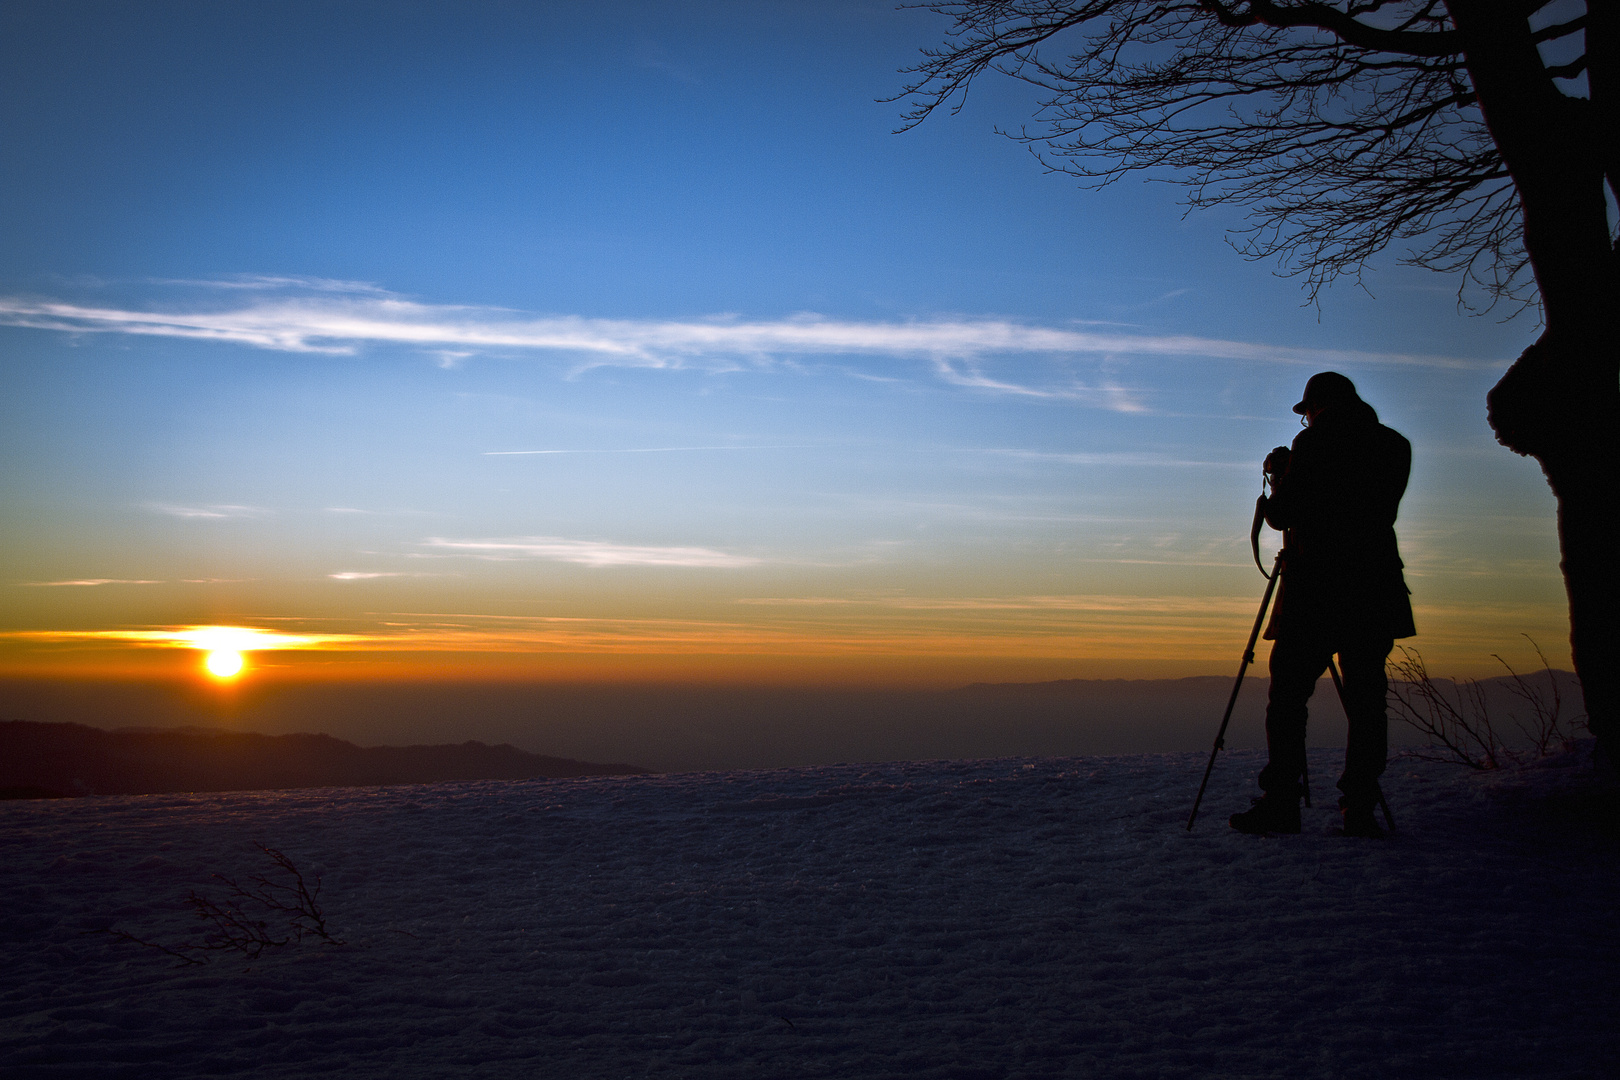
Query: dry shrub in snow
x=1456 y=716
x=260 y=915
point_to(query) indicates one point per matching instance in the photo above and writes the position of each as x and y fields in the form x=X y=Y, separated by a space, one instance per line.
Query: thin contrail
x=644 y=450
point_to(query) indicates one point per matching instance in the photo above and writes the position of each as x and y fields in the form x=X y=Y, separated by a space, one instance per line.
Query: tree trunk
x=1560 y=402
x=1573 y=431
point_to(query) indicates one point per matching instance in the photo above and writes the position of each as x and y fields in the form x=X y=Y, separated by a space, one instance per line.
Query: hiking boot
x=1359 y=821
x=1268 y=815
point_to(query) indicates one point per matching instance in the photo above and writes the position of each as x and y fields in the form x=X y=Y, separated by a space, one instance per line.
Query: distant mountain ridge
x=62 y=759
x=674 y=728
x=1565 y=680
x=1188 y=684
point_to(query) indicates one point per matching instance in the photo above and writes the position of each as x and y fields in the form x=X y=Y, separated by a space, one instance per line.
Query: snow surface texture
x=1034 y=917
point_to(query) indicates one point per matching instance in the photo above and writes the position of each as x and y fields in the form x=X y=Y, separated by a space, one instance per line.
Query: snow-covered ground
x=1034 y=917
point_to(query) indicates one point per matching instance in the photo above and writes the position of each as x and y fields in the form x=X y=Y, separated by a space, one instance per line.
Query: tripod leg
x=1248 y=658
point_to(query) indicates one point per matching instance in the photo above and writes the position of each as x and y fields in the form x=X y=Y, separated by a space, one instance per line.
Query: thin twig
x=233 y=925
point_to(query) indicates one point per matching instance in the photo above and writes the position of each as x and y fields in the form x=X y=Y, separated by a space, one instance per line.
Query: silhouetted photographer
x=1335 y=496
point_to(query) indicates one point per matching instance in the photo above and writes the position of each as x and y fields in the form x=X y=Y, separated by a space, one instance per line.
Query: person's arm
x=1282 y=466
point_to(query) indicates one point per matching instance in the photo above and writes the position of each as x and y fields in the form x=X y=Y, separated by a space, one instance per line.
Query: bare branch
x=1458 y=722
x=1344 y=126
x=1340 y=23
x=178 y=954
x=233 y=928
x=1569 y=70
x=1558 y=30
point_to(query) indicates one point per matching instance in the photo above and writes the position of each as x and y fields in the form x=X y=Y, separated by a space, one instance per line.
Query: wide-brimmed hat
x=1327 y=388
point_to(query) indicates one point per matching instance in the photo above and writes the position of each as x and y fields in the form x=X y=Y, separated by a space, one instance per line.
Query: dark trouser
x=1296 y=664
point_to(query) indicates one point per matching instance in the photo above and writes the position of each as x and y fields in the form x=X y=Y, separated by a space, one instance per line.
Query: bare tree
x=1483 y=133
x=250 y=920
x=1456 y=716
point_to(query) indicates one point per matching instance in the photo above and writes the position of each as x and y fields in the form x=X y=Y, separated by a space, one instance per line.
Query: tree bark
x=1571 y=426
x=1560 y=402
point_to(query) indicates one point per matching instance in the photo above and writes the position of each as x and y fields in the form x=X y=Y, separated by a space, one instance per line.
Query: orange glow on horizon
x=784 y=640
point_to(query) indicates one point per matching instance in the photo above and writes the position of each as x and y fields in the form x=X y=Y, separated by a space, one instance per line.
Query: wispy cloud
x=1017 y=627
x=343 y=317
x=91 y=581
x=1132 y=458
x=268 y=282
x=647 y=450
x=357 y=511
x=210 y=638
x=591 y=552
x=214 y=511
x=369 y=575
x=1087 y=603
x=1108 y=458
x=968 y=372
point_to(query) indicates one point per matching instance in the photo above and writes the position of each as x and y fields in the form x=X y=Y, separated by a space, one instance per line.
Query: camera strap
x=1254 y=532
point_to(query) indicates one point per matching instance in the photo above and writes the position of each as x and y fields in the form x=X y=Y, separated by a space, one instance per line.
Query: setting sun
x=224 y=663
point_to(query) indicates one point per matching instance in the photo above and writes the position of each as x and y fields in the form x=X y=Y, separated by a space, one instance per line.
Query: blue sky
x=630 y=341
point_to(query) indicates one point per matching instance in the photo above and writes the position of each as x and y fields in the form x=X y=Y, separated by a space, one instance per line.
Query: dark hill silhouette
x=685 y=728
x=1194 y=687
x=43 y=760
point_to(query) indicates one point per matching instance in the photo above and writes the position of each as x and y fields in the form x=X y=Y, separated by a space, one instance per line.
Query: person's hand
x=1276 y=461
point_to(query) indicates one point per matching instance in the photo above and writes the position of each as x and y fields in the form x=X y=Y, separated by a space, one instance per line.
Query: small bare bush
x=1456 y=716
x=262 y=914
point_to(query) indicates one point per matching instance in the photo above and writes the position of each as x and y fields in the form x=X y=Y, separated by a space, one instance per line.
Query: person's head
x=1324 y=390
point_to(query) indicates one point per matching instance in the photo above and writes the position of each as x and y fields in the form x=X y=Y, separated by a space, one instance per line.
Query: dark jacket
x=1337 y=502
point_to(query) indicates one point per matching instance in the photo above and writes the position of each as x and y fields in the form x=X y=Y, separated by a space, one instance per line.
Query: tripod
x=1231 y=702
x=1248 y=658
